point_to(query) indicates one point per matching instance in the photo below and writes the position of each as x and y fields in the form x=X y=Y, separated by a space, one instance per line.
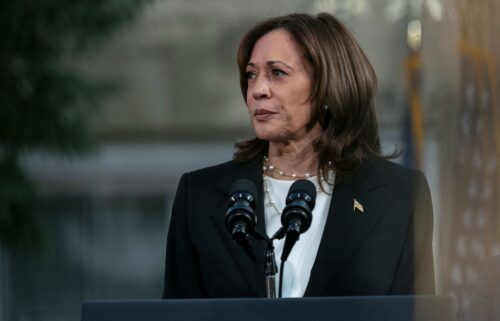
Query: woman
x=309 y=90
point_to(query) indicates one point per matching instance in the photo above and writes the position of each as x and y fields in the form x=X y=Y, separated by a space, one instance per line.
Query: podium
x=367 y=308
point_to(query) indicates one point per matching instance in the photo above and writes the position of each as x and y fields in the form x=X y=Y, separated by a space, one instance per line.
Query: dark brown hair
x=344 y=80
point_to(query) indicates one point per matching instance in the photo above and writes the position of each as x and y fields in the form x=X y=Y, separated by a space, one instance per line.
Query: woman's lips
x=262 y=114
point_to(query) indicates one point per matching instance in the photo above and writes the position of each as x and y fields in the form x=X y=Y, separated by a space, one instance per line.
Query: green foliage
x=44 y=102
x=16 y=205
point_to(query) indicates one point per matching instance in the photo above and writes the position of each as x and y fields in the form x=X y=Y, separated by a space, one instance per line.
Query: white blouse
x=300 y=261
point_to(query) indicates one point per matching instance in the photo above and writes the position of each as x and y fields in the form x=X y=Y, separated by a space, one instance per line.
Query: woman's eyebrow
x=270 y=63
x=273 y=62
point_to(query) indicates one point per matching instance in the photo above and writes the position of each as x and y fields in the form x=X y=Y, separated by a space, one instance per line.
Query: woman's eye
x=250 y=75
x=278 y=73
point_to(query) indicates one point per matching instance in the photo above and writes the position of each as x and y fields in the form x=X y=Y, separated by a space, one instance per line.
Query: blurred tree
x=44 y=101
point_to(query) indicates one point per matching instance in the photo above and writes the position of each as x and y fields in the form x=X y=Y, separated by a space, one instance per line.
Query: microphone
x=240 y=216
x=297 y=214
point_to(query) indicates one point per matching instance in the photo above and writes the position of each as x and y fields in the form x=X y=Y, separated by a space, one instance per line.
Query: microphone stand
x=270 y=271
x=270 y=267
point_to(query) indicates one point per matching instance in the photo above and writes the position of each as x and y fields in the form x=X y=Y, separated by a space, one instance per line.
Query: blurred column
x=467 y=57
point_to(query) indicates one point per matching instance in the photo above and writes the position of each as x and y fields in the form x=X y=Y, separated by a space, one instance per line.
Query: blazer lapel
x=253 y=272
x=346 y=226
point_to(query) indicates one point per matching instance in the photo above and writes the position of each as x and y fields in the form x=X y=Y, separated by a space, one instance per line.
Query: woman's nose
x=260 y=88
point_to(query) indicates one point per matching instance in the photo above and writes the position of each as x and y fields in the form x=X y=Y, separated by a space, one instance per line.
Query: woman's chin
x=265 y=135
x=271 y=133
x=270 y=136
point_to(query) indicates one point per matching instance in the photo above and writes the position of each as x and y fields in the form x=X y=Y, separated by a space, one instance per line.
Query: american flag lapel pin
x=358 y=206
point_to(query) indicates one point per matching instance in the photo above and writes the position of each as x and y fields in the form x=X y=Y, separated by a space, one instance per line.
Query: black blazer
x=385 y=250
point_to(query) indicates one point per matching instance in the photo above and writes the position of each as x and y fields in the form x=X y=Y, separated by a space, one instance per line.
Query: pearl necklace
x=271 y=201
x=269 y=167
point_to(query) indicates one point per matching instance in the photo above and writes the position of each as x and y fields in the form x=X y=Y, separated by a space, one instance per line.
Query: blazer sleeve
x=423 y=227
x=182 y=269
x=415 y=272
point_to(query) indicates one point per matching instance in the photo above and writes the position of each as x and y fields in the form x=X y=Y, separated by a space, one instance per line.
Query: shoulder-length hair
x=343 y=80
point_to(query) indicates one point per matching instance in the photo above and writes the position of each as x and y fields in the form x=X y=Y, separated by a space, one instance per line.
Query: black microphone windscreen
x=243 y=185
x=303 y=186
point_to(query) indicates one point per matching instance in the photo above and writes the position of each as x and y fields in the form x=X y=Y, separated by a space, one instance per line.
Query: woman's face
x=279 y=87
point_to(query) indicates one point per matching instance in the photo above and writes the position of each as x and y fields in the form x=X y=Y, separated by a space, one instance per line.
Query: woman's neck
x=297 y=156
